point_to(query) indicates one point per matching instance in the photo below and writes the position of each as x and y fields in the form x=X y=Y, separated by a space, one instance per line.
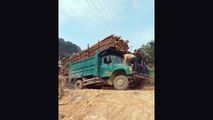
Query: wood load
x=111 y=41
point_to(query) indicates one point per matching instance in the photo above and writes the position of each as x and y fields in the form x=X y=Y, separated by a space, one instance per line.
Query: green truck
x=106 y=67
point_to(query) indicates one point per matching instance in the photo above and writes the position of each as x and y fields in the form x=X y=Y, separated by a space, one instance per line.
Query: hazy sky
x=86 y=21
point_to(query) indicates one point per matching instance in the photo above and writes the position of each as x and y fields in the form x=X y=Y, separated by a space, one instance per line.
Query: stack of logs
x=111 y=41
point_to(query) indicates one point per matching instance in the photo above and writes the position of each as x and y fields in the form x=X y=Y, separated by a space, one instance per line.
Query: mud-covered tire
x=78 y=84
x=121 y=82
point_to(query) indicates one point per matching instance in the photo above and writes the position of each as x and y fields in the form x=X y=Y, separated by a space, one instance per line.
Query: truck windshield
x=116 y=59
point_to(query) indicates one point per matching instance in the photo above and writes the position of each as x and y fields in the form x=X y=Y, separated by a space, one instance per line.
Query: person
x=139 y=61
x=130 y=59
x=127 y=57
x=144 y=67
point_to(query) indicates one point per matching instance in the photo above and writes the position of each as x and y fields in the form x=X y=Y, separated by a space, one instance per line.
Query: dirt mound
x=91 y=104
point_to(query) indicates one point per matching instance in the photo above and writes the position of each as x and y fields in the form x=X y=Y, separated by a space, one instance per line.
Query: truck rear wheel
x=78 y=84
x=121 y=82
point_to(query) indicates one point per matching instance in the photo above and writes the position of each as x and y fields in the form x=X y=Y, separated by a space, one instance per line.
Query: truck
x=105 y=67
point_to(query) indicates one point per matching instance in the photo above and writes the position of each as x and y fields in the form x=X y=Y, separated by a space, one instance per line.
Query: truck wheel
x=121 y=82
x=78 y=84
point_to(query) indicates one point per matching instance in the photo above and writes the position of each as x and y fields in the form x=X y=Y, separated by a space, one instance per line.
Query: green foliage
x=148 y=50
x=152 y=72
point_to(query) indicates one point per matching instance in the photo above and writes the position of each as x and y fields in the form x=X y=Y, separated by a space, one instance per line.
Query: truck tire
x=121 y=82
x=78 y=84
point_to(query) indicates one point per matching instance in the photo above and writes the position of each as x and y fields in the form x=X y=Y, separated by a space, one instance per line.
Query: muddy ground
x=107 y=104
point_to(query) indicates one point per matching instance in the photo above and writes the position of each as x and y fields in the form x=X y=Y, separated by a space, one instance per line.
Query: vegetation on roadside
x=152 y=72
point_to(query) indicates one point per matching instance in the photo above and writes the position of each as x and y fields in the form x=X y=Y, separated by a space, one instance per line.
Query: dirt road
x=93 y=104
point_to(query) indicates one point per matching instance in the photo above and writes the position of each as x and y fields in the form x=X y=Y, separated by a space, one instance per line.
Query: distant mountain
x=67 y=48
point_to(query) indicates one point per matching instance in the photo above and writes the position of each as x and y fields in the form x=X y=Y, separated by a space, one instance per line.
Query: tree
x=148 y=50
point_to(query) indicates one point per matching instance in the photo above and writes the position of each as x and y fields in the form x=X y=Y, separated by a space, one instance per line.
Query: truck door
x=106 y=66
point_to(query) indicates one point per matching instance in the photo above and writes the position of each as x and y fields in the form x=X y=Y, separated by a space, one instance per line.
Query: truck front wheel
x=121 y=82
x=78 y=84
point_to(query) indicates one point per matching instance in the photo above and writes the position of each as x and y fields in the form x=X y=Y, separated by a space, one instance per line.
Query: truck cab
x=111 y=63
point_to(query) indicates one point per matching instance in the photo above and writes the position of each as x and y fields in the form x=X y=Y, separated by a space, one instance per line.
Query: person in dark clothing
x=144 y=68
x=141 y=66
x=138 y=61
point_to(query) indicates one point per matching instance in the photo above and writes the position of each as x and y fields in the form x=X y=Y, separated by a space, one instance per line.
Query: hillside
x=66 y=48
